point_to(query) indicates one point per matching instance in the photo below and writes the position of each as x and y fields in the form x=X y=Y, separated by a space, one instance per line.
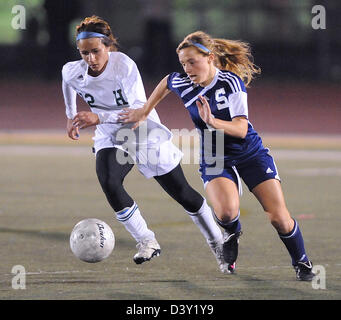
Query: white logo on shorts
x=268 y=170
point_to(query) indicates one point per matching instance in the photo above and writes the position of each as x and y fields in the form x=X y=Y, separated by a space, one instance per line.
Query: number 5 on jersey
x=221 y=99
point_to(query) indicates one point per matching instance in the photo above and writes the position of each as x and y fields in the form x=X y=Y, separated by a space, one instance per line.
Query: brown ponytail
x=231 y=55
x=96 y=24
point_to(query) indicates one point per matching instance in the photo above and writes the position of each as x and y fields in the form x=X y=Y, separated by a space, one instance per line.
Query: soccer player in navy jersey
x=213 y=89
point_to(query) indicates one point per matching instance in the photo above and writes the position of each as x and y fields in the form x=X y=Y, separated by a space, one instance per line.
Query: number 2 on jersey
x=90 y=100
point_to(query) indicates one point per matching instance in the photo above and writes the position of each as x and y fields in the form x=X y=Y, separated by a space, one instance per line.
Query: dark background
x=297 y=92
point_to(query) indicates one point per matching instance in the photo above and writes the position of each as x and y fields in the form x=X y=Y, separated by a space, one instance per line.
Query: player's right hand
x=136 y=116
x=72 y=131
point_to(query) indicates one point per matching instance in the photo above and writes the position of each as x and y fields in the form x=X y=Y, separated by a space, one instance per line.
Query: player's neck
x=210 y=77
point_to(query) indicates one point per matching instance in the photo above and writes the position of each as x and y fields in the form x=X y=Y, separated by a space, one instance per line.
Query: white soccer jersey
x=120 y=86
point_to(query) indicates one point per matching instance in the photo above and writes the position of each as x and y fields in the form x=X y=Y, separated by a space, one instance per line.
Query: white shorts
x=151 y=150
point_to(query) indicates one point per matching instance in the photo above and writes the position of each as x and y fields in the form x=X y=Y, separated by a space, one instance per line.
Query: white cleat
x=217 y=249
x=147 y=249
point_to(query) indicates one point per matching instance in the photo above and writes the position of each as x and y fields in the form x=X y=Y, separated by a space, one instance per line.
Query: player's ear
x=211 y=57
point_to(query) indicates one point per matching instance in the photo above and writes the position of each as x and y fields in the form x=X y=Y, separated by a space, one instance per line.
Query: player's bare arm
x=139 y=115
x=136 y=116
x=73 y=132
x=85 y=119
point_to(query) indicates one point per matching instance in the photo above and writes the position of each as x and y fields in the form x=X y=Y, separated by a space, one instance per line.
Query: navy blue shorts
x=253 y=171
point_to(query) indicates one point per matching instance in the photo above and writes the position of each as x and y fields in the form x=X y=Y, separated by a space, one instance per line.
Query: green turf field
x=46 y=190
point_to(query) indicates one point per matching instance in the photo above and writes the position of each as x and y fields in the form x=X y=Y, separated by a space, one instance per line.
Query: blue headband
x=200 y=46
x=88 y=34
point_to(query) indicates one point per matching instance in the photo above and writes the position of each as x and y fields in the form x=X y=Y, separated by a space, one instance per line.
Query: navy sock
x=232 y=226
x=295 y=244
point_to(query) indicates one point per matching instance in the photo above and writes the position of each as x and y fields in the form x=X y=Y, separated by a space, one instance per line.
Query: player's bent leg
x=270 y=195
x=203 y=218
x=176 y=185
x=111 y=175
x=224 y=196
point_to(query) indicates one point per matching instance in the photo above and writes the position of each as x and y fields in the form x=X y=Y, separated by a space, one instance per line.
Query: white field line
x=316 y=172
x=55 y=272
x=37 y=150
x=313 y=155
x=189 y=153
x=248 y=267
x=185 y=136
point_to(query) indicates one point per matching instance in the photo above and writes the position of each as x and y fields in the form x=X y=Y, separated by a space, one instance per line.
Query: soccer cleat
x=230 y=249
x=217 y=249
x=304 y=271
x=147 y=249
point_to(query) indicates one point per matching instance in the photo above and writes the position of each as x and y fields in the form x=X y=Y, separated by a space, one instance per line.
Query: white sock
x=133 y=221
x=203 y=218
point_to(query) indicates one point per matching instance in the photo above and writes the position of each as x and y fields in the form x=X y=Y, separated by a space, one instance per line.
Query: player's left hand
x=85 y=119
x=205 y=110
x=136 y=116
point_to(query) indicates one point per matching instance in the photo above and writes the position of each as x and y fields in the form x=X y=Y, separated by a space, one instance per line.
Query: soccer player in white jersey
x=109 y=81
x=213 y=91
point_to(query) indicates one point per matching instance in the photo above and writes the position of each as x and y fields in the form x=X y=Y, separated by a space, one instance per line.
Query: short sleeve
x=170 y=80
x=238 y=104
x=131 y=81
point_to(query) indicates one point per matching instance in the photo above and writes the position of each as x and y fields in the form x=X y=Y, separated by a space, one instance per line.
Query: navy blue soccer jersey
x=227 y=98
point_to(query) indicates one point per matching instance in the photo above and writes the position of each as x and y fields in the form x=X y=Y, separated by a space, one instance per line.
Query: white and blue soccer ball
x=92 y=240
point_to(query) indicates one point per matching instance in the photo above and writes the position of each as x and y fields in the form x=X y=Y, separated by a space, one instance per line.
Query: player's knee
x=110 y=185
x=226 y=213
x=189 y=199
x=281 y=221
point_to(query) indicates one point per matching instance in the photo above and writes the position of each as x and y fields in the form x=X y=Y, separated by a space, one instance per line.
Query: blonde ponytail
x=235 y=56
x=231 y=55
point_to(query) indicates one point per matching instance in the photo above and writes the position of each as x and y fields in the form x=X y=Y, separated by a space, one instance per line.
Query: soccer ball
x=92 y=240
